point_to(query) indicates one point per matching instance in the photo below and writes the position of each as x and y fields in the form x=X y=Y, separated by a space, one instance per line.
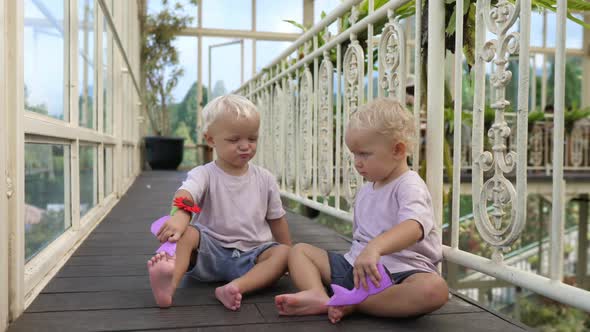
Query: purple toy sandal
x=168 y=247
x=179 y=203
x=343 y=296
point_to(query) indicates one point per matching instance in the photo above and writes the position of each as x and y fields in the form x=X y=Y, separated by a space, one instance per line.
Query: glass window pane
x=183 y=111
x=536 y=29
x=218 y=14
x=267 y=51
x=44 y=58
x=108 y=170
x=106 y=78
x=271 y=15
x=574 y=33
x=86 y=63
x=225 y=65
x=88 y=178
x=47 y=198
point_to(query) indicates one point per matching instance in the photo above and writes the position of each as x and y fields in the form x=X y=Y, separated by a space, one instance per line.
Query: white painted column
x=4 y=179
x=74 y=66
x=14 y=102
x=253 y=40
x=586 y=65
x=434 y=108
x=200 y=81
x=99 y=102
x=308 y=13
x=118 y=125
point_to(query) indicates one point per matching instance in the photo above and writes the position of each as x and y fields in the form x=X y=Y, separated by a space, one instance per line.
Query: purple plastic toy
x=343 y=296
x=168 y=247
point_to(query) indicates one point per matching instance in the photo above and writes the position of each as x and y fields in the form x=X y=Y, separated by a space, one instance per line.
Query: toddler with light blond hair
x=231 y=239
x=393 y=225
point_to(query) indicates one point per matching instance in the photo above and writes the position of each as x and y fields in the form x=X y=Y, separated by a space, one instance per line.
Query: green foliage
x=573 y=82
x=42 y=234
x=160 y=61
x=185 y=114
x=535 y=116
x=549 y=317
x=571 y=116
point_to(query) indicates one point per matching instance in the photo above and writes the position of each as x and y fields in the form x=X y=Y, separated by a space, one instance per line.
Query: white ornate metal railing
x=306 y=95
x=540 y=145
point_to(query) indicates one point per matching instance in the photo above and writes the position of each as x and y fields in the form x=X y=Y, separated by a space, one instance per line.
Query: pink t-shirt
x=235 y=209
x=377 y=211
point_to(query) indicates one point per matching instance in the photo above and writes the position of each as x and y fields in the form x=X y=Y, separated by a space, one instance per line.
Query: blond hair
x=240 y=106
x=389 y=118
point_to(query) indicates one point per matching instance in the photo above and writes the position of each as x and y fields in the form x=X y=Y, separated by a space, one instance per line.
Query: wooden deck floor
x=105 y=286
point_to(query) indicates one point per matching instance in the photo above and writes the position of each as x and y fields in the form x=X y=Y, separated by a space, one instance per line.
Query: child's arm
x=176 y=225
x=399 y=237
x=280 y=230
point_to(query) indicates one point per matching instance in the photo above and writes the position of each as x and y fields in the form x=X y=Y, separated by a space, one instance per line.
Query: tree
x=186 y=112
x=219 y=89
x=160 y=65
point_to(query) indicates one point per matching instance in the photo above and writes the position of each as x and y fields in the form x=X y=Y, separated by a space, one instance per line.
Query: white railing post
x=458 y=112
x=558 y=210
x=417 y=84
x=434 y=108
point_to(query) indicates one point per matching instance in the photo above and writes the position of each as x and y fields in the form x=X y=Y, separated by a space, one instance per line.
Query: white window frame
x=21 y=282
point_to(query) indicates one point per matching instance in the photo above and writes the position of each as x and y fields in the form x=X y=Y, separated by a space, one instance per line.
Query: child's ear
x=209 y=140
x=399 y=150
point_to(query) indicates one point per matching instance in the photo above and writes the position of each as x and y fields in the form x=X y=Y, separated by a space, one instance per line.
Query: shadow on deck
x=105 y=287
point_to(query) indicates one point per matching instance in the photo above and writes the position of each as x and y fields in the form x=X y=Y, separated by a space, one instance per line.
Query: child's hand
x=174 y=227
x=366 y=265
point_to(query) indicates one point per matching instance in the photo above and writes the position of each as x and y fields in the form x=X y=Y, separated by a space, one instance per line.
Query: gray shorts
x=217 y=263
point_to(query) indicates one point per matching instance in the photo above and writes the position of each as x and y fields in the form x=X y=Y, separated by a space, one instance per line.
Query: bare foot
x=309 y=302
x=160 y=268
x=230 y=296
x=335 y=314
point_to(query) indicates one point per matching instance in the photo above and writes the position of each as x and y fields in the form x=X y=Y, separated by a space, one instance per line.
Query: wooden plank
x=96 y=284
x=69 y=271
x=107 y=238
x=147 y=249
x=109 y=260
x=133 y=319
x=468 y=321
x=190 y=294
x=139 y=241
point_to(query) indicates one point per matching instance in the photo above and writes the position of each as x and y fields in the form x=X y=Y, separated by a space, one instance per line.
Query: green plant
x=573 y=115
x=547 y=316
x=535 y=116
x=160 y=66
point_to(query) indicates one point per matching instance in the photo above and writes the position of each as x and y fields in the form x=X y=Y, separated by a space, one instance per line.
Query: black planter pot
x=164 y=152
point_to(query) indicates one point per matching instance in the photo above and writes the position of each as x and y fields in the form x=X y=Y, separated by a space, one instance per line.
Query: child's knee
x=283 y=249
x=436 y=293
x=299 y=249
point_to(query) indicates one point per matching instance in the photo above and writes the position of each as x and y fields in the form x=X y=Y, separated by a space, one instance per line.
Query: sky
x=44 y=46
